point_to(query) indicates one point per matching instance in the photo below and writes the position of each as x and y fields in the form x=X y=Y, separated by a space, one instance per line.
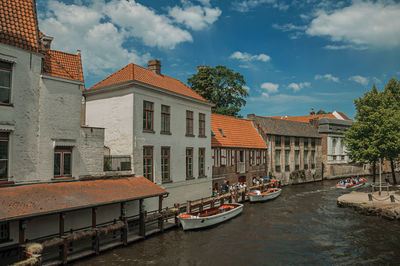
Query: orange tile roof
x=304 y=118
x=238 y=133
x=63 y=65
x=134 y=72
x=32 y=200
x=18 y=24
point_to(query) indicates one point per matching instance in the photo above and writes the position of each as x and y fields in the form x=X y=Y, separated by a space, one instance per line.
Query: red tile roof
x=18 y=24
x=63 y=65
x=134 y=72
x=304 y=118
x=32 y=200
x=238 y=133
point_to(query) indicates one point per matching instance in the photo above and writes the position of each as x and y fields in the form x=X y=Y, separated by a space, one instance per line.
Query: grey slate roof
x=272 y=126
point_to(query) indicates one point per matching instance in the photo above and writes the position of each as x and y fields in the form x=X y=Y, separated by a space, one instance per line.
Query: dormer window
x=222 y=132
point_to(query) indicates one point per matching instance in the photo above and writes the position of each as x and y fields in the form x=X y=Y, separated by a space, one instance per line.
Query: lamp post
x=380 y=176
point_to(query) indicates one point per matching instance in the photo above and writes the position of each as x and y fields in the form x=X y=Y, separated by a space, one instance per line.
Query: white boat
x=196 y=220
x=346 y=185
x=257 y=195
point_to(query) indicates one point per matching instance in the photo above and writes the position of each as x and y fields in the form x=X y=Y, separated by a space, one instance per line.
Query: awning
x=19 y=202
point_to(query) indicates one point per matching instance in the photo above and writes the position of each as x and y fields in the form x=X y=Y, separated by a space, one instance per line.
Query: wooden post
x=178 y=207
x=21 y=242
x=142 y=227
x=230 y=197
x=124 y=230
x=95 y=239
x=236 y=196
x=188 y=206
x=64 y=247
x=201 y=205
x=244 y=194
x=160 y=220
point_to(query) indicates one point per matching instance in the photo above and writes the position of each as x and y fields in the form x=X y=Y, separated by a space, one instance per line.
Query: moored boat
x=257 y=195
x=196 y=220
x=343 y=185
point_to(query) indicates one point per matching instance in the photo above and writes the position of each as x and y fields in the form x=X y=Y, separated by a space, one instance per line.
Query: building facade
x=294 y=149
x=163 y=125
x=238 y=151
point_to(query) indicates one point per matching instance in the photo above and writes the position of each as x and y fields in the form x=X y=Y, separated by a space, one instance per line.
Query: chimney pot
x=155 y=66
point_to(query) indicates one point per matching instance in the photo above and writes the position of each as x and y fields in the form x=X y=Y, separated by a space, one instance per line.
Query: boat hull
x=202 y=222
x=264 y=197
x=352 y=186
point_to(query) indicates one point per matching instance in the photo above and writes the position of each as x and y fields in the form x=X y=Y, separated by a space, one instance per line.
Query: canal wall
x=386 y=206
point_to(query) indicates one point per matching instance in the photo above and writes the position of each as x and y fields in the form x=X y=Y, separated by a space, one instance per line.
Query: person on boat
x=224 y=187
x=254 y=181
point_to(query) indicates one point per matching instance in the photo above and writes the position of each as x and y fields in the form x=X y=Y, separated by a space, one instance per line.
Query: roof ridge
x=282 y=119
x=112 y=75
x=238 y=118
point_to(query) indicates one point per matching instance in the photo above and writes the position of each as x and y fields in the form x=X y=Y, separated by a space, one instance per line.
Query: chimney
x=312 y=111
x=155 y=66
x=200 y=67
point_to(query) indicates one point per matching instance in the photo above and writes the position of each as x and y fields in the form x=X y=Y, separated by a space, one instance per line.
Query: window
x=222 y=132
x=189 y=162
x=264 y=157
x=214 y=157
x=165 y=164
x=147 y=116
x=148 y=162
x=212 y=133
x=313 y=142
x=278 y=161
x=278 y=141
x=287 y=141
x=287 y=167
x=5 y=82
x=4 y=232
x=189 y=123
x=233 y=156
x=297 y=141
x=252 y=158
x=202 y=161
x=305 y=159
x=223 y=157
x=312 y=159
x=202 y=125
x=4 y=139
x=305 y=142
x=165 y=119
x=258 y=158
x=63 y=162
x=296 y=160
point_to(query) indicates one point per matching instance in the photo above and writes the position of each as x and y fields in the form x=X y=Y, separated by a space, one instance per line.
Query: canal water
x=302 y=226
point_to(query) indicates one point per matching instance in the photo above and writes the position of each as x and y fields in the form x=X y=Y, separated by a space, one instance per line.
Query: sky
x=293 y=55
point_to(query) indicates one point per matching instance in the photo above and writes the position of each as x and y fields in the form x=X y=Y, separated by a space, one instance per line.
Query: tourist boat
x=358 y=184
x=196 y=220
x=269 y=194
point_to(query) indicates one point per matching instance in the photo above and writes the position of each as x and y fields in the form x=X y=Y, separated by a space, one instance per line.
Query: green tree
x=321 y=112
x=221 y=86
x=375 y=134
x=360 y=139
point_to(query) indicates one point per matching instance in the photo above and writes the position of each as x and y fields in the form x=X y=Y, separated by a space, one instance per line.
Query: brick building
x=238 y=151
x=294 y=149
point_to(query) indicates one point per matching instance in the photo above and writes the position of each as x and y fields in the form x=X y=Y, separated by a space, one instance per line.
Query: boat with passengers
x=351 y=183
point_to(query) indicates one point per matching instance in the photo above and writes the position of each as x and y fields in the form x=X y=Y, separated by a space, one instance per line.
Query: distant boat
x=196 y=220
x=341 y=184
x=269 y=194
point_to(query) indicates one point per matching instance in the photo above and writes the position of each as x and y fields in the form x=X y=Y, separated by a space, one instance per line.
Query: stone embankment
x=382 y=205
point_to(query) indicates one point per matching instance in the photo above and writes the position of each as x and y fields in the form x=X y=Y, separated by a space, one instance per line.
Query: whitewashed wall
x=120 y=112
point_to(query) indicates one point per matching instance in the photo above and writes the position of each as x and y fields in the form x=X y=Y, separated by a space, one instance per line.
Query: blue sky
x=294 y=55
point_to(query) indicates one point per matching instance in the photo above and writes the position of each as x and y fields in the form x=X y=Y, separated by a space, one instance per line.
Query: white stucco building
x=161 y=123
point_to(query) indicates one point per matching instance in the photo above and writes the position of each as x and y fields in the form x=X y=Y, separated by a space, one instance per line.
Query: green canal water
x=302 y=226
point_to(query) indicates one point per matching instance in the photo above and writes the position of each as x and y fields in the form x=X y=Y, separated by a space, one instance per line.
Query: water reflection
x=302 y=226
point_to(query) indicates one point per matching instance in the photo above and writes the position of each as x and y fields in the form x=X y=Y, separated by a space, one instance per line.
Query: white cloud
x=344 y=47
x=269 y=88
x=288 y=27
x=103 y=31
x=195 y=17
x=375 y=24
x=359 y=79
x=142 y=22
x=298 y=86
x=284 y=99
x=247 y=5
x=248 y=57
x=327 y=77
x=247 y=88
